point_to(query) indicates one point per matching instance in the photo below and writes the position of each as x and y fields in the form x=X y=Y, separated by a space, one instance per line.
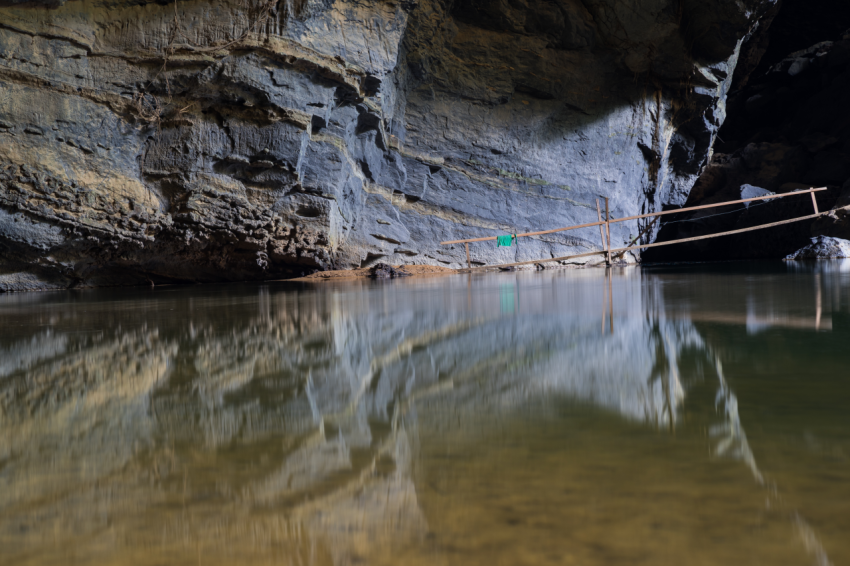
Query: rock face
x=191 y=141
x=788 y=129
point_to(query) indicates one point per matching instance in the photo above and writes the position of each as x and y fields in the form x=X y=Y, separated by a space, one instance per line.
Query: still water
x=679 y=415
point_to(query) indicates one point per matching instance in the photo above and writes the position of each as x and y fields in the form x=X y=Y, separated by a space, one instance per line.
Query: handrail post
x=601 y=229
x=468 y=264
x=815 y=202
x=608 y=230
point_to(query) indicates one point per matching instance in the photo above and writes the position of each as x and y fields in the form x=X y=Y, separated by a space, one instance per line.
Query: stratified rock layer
x=214 y=141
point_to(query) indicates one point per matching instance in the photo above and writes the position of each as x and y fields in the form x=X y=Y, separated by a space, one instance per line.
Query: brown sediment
x=364 y=273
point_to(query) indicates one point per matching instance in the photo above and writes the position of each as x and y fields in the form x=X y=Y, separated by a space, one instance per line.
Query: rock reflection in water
x=286 y=427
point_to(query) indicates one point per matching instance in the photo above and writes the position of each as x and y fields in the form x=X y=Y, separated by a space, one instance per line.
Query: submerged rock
x=823 y=247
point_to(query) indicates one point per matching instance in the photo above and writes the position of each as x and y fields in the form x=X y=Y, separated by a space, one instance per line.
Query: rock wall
x=145 y=142
x=788 y=129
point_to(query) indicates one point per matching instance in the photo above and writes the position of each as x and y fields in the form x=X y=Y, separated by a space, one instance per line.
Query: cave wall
x=145 y=142
x=788 y=128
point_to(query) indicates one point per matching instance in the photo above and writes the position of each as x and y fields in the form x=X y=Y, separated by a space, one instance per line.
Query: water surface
x=680 y=415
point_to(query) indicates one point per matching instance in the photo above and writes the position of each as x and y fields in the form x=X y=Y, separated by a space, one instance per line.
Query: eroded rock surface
x=143 y=142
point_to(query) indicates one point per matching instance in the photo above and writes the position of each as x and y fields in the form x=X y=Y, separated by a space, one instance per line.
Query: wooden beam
x=703 y=206
x=608 y=232
x=731 y=232
x=627 y=218
x=601 y=229
x=491 y=238
x=532 y=262
x=638 y=237
x=468 y=264
x=657 y=244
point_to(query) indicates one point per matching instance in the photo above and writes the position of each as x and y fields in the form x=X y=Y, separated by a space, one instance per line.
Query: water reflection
x=333 y=425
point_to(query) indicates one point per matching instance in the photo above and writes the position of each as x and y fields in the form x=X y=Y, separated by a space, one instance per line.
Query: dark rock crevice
x=788 y=128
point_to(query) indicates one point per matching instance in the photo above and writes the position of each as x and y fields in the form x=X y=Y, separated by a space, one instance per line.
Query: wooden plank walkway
x=614 y=253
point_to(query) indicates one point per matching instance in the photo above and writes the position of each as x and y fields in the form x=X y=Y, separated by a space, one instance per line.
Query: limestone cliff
x=192 y=140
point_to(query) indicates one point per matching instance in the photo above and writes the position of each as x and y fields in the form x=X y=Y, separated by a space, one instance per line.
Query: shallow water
x=681 y=415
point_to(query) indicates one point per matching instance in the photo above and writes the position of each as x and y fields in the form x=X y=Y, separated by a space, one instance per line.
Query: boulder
x=749 y=191
x=823 y=247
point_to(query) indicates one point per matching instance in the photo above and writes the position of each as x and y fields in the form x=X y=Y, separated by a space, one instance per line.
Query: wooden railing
x=605 y=230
